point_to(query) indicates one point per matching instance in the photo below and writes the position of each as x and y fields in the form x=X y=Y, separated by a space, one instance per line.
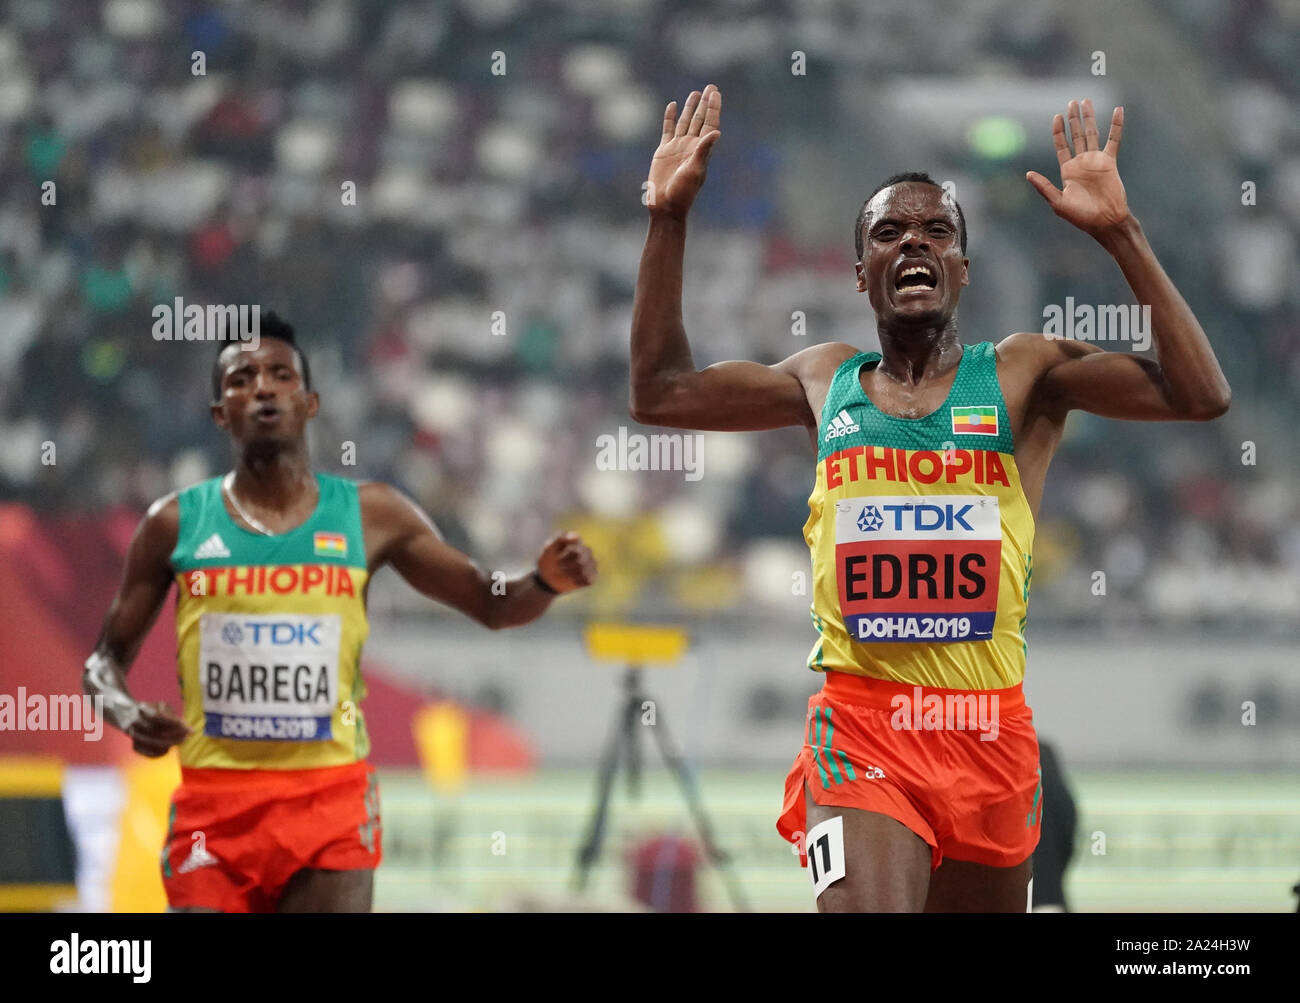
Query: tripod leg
x=444 y=832
x=631 y=747
x=590 y=849
x=717 y=856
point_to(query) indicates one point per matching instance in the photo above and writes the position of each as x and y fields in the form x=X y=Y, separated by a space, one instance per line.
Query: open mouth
x=268 y=414
x=915 y=275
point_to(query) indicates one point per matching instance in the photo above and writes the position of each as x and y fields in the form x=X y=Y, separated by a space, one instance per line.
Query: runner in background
x=278 y=808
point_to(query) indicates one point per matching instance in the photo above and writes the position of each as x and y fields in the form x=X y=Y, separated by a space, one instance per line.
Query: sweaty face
x=912 y=268
x=263 y=398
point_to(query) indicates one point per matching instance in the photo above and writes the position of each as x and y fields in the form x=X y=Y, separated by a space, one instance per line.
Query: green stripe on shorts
x=829 y=750
x=843 y=756
x=816 y=747
x=167 y=840
x=1029 y=819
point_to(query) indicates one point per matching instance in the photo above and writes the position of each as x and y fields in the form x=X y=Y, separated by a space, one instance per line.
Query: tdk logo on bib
x=917 y=516
x=273 y=633
x=870 y=520
x=918 y=568
x=269 y=678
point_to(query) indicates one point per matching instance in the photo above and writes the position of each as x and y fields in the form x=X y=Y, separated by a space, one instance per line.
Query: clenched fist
x=566 y=563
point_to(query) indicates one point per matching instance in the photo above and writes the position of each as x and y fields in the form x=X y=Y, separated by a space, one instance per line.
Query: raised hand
x=678 y=168
x=1093 y=198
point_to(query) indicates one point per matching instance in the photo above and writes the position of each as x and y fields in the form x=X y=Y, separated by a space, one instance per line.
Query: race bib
x=269 y=677
x=918 y=568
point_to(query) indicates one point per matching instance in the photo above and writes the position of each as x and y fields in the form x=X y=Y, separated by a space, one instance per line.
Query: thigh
x=886 y=864
x=315 y=890
x=961 y=886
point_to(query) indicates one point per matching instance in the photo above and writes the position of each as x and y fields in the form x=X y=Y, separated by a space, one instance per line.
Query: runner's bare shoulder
x=159 y=530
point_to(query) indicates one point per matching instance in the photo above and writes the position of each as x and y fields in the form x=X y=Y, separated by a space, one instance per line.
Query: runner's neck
x=915 y=357
x=277 y=484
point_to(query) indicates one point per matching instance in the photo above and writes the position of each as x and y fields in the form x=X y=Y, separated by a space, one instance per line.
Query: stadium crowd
x=444 y=199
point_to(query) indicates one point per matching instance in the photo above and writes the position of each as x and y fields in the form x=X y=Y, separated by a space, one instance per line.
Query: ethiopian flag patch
x=975 y=421
x=331 y=544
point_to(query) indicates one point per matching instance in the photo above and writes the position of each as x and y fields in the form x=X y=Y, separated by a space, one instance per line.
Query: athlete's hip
x=995 y=664
x=924 y=731
x=255 y=782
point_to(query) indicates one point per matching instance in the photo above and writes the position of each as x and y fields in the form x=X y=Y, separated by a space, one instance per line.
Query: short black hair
x=270 y=325
x=896 y=179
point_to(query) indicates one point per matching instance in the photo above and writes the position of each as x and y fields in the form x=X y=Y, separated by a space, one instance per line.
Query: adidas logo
x=199 y=857
x=841 y=424
x=211 y=547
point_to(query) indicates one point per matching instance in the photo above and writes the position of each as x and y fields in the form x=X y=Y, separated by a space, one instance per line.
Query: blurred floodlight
x=505 y=151
x=133 y=18
x=305 y=147
x=398 y=191
x=514 y=447
x=691 y=531
x=189 y=466
x=996 y=137
x=592 y=69
x=614 y=494
x=769 y=570
x=628 y=113
x=442 y=403
x=728 y=456
x=486 y=13
x=425 y=107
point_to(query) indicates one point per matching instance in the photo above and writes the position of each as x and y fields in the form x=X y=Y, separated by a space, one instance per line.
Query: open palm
x=1093 y=196
x=678 y=168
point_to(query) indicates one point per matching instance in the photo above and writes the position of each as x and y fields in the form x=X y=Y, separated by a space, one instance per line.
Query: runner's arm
x=1183 y=383
x=417 y=551
x=665 y=387
x=153 y=728
x=1186 y=382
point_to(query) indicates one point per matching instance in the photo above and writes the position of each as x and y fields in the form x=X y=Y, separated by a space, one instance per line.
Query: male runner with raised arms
x=278 y=808
x=930 y=466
